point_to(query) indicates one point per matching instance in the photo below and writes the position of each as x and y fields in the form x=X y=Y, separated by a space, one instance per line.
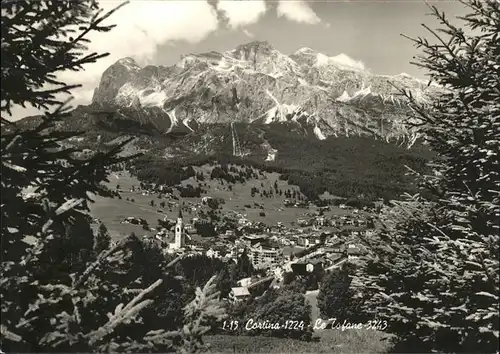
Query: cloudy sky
x=159 y=32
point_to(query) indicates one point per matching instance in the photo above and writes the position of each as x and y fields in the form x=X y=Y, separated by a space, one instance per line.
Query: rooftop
x=255 y=237
x=240 y=291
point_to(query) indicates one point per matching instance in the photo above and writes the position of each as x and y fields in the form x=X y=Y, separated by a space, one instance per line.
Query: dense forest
x=359 y=168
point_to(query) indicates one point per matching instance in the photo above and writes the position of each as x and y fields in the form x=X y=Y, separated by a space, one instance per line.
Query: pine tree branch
x=130 y=310
x=102 y=256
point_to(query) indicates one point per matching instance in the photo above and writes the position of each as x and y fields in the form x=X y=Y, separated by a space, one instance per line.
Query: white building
x=238 y=294
x=244 y=282
x=211 y=253
x=265 y=257
x=180 y=237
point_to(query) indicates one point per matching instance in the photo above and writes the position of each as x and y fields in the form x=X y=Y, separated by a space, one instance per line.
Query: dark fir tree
x=102 y=239
x=337 y=297
x=245 y=267
x=434 y=272
x=55 y=294
x=290 y=305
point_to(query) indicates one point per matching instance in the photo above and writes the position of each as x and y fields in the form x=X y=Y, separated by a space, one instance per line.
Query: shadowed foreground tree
x=435 y=275
x=102 y=239
x=336 y=297
x=51 y=282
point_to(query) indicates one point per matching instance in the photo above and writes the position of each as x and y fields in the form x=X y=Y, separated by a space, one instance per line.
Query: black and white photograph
x=250 y=176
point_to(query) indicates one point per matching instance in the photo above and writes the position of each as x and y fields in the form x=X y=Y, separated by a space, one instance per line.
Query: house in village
x=213 y=253
x=304 y=222
x=354 y=251
x=244 y=282
x=320 y=222
x=309 y=240
x=189 y=228
x=239 y=294
x=252 y=240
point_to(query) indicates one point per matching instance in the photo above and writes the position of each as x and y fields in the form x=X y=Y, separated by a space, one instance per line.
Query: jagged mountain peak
x=252 y=51
x=129 y=63
x=334 y=95
x=113 y=78
x=304 y=50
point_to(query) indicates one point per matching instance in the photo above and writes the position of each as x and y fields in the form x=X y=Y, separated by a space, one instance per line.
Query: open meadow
x=237 y=198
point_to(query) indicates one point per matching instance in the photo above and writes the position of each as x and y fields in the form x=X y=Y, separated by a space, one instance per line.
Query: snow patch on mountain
x=277 y=114
x=174 y=121
x=322 y=59
x=305 y=50
x=362 y=93
x=302 y=82
x=344 y=97
x=271 y=153
x=129 y=64
x=185 y=121
x=150 y=97
x=282 y=113
x=272 y=116
x=346 y=61
x=186 y=61
x=126 y=94
x=319 y=134
x=155 y=99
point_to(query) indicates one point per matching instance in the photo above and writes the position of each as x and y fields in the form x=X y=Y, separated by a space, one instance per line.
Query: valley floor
x=112 y=211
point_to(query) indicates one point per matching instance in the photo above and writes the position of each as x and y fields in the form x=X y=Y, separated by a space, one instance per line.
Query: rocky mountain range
x=256 y=84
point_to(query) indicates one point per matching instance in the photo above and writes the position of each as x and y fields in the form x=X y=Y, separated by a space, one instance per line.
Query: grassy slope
x=331 y=341
x=112 y=211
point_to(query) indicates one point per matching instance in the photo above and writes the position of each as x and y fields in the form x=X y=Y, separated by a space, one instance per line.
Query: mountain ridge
x=254 y=82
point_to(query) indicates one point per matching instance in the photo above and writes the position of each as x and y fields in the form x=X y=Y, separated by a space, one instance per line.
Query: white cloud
x=346 y=60
x=298 y=11
x=141 y=27
x=242 y=13
x=248 y=33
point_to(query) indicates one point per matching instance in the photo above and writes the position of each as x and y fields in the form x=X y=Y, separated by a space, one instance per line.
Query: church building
x=180 y=236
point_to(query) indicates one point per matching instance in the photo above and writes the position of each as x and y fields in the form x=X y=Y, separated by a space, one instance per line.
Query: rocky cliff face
x=256 y=83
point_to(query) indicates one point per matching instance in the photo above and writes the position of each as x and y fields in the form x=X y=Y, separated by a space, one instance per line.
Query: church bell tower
x=179 y=230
